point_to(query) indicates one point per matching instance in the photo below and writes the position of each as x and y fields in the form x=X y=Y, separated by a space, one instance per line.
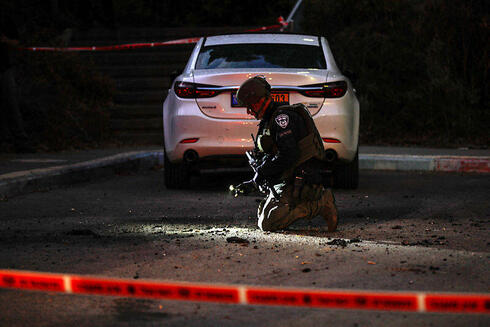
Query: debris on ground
x=344 y=243
x=338 y=242
x=235 y=239
x=426 y=242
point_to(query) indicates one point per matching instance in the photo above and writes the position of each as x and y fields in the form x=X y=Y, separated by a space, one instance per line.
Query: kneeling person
x=291 y=158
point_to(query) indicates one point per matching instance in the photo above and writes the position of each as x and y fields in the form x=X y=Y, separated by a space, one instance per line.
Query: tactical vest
x=310 y=146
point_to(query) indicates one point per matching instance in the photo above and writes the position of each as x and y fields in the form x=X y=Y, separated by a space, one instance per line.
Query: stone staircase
x=141 y=76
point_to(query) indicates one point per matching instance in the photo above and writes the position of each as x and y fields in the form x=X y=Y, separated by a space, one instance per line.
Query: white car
x=204 y=126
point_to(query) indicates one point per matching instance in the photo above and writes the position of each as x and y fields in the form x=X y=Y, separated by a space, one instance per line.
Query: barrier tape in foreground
x=168 y=290
x=282 y=25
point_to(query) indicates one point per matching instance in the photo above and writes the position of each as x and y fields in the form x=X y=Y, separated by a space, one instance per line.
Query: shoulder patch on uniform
x=282 y=120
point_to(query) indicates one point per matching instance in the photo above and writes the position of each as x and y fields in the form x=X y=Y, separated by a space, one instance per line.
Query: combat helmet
x=252 y=90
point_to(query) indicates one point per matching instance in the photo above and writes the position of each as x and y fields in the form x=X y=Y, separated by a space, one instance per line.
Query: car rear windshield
x=256 y=55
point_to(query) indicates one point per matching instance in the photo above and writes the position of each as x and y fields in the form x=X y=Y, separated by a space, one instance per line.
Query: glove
x=243 y=188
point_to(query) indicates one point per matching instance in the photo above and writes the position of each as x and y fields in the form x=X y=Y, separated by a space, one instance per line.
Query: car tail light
x=330 y=140
x=325 y=90
x=188 y=90
x=191 y=140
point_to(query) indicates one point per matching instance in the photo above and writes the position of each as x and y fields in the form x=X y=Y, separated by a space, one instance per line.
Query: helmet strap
x=265 y=104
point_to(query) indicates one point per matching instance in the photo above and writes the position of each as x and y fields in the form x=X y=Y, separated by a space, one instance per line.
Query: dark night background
x=420 y=67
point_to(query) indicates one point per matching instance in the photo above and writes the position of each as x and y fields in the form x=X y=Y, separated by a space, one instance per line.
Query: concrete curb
x=23 y=182
x=27 y=181
x=456 y=164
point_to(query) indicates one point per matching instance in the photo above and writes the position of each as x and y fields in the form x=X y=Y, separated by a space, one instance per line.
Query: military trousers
x=275 y=214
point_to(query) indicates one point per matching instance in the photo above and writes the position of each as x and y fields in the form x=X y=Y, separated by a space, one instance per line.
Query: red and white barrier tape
x=249 y=295
x=115 y=47
x=462 y=164
x=282 y=25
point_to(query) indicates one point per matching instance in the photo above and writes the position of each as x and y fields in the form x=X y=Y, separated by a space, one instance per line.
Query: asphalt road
x=410 y=231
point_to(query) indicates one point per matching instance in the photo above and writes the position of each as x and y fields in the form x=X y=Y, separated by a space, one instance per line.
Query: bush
x=168 y=13
x=63 y=100
x=421 y=65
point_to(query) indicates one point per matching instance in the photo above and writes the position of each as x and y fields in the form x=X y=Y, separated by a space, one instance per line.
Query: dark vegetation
x=171 y=13
x=64 y=101
x=420 y=66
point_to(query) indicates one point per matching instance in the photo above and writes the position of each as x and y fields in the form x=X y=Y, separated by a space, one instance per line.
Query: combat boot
x=328 y=210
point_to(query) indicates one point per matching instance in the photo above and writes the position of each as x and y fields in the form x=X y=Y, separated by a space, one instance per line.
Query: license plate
x=279 y=97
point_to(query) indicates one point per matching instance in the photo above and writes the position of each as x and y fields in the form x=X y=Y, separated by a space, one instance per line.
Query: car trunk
x=282 y=82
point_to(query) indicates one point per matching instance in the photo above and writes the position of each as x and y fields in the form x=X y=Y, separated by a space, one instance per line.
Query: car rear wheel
x=347 y=176
x=176 y=175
